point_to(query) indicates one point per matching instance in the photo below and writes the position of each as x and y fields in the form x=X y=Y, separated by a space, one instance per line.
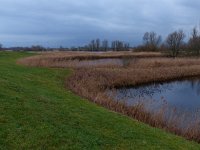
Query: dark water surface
x=105 y=62
x=184 y=95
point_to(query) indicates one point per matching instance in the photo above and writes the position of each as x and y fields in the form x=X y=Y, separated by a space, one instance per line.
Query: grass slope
x=36 y=112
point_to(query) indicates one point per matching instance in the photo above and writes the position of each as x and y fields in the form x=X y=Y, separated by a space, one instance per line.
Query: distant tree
x=126 y=46
x=146 y=38
x=114 y=46
x=119 y=46
x=74 y=48
x=37 y=48
x=98 y=44
x=174 y=42
x=1 y=46
x=151 y=41
x=92 y=45
x=105 y=45
x=95 y=45
x=194 y=41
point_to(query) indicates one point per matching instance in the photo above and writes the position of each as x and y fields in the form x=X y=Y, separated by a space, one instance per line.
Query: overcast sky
x=75 y=22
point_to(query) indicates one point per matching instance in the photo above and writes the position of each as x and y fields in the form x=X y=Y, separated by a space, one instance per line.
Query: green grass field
x=37 y=112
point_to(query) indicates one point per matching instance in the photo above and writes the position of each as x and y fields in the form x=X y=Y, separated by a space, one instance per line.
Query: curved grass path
x=36 y=112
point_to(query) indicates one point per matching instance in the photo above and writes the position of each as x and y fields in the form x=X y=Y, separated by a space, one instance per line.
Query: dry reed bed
x=64 y=59
x=92 y=84
x=118 y=77
x=163 y=62
x=95 y=55
x=129 y=59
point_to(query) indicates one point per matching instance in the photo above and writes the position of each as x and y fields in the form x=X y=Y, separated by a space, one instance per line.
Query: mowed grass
x=37 y=112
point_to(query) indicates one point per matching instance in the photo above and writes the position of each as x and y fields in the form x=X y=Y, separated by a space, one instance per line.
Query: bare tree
x=104 y=45
x=92 y=45
x=126 y=46
x=174 y=41
x=97 y=44
x=146 y=38
x=37 y=48
x=114 y=45
x=194 y=41
x=151 y=41
x=120 y=46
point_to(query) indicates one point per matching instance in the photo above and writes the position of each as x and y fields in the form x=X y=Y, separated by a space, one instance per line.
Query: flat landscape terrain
x=38 y=112
x=97 y=73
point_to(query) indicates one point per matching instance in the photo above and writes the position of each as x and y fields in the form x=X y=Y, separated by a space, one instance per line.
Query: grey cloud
x=73 y=22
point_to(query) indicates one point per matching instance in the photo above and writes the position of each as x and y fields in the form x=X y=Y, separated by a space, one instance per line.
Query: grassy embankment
x=91 y=82
x=36 y=112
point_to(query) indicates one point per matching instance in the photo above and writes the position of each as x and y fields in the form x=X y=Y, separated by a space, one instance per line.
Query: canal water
x=103 y=62
x=183 y=95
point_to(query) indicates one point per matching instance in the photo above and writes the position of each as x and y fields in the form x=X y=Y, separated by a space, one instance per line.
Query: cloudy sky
x=75 y=22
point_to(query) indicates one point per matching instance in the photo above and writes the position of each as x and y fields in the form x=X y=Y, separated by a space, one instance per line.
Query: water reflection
x=183 y=95
x=104 y=62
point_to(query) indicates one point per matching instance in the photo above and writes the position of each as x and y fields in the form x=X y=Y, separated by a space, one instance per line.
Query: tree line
x=94 y=45
x=174 y=43
x=105 y=45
